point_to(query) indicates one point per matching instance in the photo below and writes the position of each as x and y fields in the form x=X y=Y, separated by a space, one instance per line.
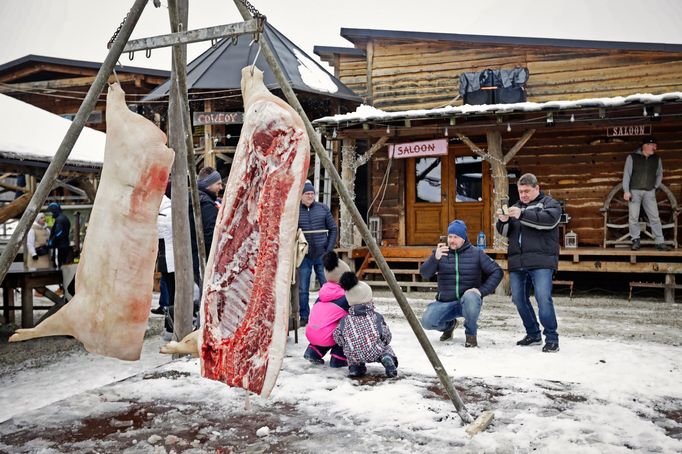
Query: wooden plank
x=193 y=36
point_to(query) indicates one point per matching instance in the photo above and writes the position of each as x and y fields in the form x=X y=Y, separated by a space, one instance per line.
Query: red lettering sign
x=417 y=149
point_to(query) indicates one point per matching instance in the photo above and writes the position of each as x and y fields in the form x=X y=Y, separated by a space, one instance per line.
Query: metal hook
x=116 y=76
x=148 y=53
x=255 y=59
x=131 y=55
x=214 y=41
x=235 y=40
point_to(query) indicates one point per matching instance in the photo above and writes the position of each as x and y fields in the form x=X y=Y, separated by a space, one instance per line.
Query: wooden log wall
x=420 y=75
x=578 y=165
x=392 y=208
x=569 y=168
x=352 y=71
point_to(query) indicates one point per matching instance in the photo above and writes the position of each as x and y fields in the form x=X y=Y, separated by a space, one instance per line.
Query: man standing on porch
x=465 y=275
x=531 y=225
x=643 y=173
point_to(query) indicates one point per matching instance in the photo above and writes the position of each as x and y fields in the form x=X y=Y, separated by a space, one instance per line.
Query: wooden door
x=443 y=188
x=427 y=194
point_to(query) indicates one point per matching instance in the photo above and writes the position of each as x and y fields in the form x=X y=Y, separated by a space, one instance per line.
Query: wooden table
x=28 y=279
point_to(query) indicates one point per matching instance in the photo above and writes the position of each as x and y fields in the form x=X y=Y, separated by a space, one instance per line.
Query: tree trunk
x=348 y=178
x=500 y=182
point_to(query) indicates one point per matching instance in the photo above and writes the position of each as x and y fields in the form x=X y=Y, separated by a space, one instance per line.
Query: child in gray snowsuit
x=363 y=333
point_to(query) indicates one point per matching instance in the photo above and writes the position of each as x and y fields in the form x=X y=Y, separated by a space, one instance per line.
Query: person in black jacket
x=209 y=183
x=465 y=275
x=319 y=228
x=59 y=235
x=531 y=225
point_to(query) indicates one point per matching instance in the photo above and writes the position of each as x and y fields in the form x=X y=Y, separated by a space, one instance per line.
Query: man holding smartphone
x=531 y=225
x=465 y=275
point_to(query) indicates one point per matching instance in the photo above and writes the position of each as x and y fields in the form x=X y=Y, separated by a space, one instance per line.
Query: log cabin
x=569 y=111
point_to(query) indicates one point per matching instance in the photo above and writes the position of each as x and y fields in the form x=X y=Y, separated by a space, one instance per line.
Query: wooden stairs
x=404 y=262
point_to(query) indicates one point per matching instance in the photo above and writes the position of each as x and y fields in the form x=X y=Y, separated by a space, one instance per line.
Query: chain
x=118 y=30
x=252 y=9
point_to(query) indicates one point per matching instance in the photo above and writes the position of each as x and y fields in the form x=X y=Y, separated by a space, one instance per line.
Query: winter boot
x=551 y=347
x=635 y=244
x=357 y=370
x=471 y=342
x=529 y=340
x=335 y=362
x=312 y=356
x=447 y=334
x=389 y=365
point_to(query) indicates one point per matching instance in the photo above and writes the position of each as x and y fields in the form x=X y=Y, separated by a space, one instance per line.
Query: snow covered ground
x=615 y=386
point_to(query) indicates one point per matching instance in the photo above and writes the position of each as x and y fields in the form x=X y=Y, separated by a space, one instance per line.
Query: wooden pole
x=70 y=138
x=184 y=276
x=364 y=230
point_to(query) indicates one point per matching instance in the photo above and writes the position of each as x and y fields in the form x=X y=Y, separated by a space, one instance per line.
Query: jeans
x=305 y=272
x=541 y=281
x=646 y=200
x=441 y=315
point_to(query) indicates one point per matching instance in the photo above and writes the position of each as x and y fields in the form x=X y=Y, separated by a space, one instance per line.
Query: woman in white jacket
x=36 y=243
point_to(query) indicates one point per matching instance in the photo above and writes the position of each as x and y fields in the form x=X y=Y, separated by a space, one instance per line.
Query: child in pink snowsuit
x=330 y=307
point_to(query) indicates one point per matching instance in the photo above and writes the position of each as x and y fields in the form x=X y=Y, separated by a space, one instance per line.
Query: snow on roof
x=312 y=75
x=28 y=132
x=365 y=113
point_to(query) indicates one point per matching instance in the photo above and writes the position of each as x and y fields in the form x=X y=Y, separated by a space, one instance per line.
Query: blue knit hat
x=308 y=187
x=458 y=228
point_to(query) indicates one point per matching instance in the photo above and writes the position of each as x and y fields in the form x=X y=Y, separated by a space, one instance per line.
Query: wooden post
x=348 y=178
x=669 y=289
x=321 y=153
x=500 y=182
x=182 y=253
x=70 y=138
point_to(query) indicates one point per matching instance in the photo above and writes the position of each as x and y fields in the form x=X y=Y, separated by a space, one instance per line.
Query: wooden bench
x=664 y=285
x=568 y=283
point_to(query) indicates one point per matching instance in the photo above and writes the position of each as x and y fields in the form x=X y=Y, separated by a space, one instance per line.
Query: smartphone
x=504 y=206
x=443 y=239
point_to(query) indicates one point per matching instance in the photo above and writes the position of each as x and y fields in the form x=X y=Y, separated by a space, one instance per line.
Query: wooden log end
x=480 y=423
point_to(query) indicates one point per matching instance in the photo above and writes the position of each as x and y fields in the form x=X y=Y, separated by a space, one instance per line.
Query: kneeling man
x=465 y=275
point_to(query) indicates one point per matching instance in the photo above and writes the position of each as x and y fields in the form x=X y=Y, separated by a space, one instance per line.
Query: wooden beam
x=362 y=160
x=15 y=208
x=13 y=187
x=193 y=36
x=369 y=52
x=518 y=145
x=63 y=83
x=473 y=147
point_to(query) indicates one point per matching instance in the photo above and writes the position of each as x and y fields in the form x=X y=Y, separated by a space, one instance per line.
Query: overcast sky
x=80 y=29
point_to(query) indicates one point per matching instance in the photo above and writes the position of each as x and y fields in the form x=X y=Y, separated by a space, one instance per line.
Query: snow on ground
x=613 y=387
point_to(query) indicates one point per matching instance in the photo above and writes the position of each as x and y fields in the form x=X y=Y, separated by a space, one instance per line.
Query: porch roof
x=369 y=114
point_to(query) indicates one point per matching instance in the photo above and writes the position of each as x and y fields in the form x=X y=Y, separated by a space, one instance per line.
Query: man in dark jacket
x=642 y=175
x=531 y=225
x=209 y=184
x=319 y=228
x=59 y=235
x=465 y=275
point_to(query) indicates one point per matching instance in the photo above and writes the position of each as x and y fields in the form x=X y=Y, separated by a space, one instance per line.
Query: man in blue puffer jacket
x=316 y=218
x=465 y=275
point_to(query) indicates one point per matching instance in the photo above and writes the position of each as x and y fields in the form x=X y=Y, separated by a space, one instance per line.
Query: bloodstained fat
x=415 y=149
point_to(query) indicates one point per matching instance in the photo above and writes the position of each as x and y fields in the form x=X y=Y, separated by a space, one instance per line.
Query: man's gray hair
x=527 y=179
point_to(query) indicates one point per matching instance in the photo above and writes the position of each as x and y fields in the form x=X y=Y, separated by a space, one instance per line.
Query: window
x=428 y=180
x=469 y=178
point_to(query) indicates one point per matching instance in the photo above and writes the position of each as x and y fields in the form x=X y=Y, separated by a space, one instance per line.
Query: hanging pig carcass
x=245 y=302
x=114 y=279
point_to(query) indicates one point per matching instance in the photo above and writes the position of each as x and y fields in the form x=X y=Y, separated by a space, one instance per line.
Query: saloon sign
x=631 y=130
x=217 y=118
x=418 y=149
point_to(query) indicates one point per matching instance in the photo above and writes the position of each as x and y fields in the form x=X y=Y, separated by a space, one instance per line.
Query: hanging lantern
x=571 y=240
